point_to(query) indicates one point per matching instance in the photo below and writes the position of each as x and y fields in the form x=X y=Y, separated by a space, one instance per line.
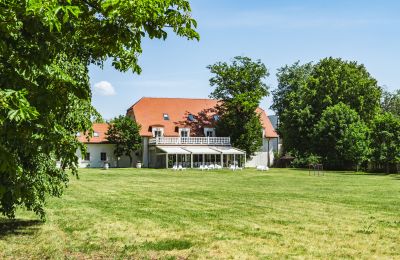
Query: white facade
x=261 y=157
x=94 y=154
x=148 y=156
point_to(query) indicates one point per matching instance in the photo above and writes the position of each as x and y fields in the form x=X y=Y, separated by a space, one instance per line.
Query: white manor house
x=177 y=131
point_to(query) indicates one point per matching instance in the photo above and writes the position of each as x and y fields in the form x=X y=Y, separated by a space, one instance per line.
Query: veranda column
x=203 y=159
x=222 y=160
x=191 y=160
x=176 y=158
x=268 y=155
x=234 y=159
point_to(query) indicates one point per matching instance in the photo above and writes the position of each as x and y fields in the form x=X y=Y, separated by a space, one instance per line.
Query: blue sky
x=277 y=32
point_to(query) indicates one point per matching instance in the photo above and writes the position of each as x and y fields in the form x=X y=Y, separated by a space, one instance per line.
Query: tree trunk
x=130 y=161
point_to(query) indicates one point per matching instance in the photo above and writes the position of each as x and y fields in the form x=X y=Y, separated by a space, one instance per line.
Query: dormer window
x=184 y=132
x=158 y=131
x=95 y=134
x=166 y=116
x=216 y=117
x=209 y=132
x=190 y=117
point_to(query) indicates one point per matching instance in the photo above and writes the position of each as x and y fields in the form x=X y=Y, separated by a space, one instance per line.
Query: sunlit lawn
x=131 y=213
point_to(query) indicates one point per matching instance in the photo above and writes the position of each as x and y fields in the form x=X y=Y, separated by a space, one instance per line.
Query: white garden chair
x=262 y=168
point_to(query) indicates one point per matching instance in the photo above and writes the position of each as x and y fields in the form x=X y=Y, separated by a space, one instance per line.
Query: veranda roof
x=228 y=150
x=201 y=150
x=173 y=150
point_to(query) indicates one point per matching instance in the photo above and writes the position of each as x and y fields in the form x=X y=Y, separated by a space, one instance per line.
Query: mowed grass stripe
x=151 y=213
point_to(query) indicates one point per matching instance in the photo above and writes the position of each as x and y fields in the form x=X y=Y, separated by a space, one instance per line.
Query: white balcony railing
x=191 y=140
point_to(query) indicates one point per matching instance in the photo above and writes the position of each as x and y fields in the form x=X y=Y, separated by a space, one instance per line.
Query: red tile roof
x=266 y=123
x=100 y=129
x=149 y=112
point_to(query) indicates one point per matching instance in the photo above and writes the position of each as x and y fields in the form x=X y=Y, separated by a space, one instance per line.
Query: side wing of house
x=265 y=156
x=99 y=150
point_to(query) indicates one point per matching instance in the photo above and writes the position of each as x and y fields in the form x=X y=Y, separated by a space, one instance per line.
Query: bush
x=302 y=161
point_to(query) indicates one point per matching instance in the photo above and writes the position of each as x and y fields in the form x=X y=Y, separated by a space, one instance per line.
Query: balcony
x=190 y=141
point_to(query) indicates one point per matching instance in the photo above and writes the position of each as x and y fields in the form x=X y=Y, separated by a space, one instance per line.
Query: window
x=191 y=117
x=103 y=156
x=209 y=132
x=166 y=116
x=158 y=131
x=216 y=117
x=95 y=134
x=87 y=157
x=184 y=132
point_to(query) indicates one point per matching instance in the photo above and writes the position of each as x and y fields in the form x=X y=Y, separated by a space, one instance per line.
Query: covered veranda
x=197 y=156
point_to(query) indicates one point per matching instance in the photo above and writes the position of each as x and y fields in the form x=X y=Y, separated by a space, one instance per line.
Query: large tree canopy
x=340 y=137
x=306 y=92
x=240 y=88
x=46 y=47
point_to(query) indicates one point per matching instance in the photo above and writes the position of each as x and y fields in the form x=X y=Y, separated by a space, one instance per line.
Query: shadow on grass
x=167 y=245
x=394 y=175
x=18 y=227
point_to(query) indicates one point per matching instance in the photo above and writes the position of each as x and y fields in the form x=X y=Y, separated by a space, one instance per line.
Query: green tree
x=356 y=143
x=240 y=89
x=391 y=102
x=340 y=136
x=304 y=93
x=295 y=118
x=124 y=133
x=385 y=144
x=46 y=47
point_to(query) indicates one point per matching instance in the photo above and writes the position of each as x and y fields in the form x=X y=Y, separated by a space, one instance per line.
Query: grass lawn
x=143 y=213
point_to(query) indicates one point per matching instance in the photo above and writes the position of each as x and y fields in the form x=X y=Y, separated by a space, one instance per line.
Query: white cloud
x=104 y=88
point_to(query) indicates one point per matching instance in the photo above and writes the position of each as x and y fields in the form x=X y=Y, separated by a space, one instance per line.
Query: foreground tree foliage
x=46 y=47
x=124 y=133
x=240 y=89
x=324 y=106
